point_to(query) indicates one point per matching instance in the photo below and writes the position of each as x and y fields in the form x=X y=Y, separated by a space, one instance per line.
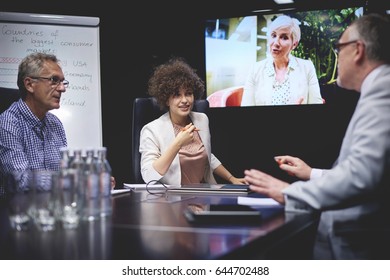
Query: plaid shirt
x=28 y=143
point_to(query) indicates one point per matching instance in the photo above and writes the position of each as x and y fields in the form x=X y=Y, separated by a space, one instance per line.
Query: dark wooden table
x=145 y=226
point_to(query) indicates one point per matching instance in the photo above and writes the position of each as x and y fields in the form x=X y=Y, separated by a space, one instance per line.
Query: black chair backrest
x=7 y=97
x=146 y=109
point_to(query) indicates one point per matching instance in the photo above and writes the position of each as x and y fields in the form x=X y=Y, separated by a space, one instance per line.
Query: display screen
x=234 y=44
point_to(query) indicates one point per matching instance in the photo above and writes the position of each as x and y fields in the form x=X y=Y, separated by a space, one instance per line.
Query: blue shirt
x=27 y=143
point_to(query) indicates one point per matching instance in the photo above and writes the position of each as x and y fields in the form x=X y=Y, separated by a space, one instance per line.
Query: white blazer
x=158 y=135
x=303 y=82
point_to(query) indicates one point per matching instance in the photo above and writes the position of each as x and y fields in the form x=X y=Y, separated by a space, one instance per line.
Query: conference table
x=146 y=226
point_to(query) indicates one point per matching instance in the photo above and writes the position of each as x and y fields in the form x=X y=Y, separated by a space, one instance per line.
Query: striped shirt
x=27 y=143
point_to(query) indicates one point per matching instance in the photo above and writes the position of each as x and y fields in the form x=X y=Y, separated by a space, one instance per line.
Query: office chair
x=146 y=109
x=7 y=97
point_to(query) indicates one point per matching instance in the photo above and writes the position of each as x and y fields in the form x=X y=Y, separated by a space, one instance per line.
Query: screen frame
x=227 y=82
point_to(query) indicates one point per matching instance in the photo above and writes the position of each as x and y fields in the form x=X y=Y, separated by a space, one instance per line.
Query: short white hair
x=284 y=21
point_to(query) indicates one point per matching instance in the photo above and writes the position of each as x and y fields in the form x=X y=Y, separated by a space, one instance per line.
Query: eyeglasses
x=338 y=46
x=53 y=80
x=151 y=190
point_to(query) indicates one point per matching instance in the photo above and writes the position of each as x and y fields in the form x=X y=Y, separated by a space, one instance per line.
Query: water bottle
x=77 y=166
x=104 y=170
x=91 y=187
x=68 y=207
x=91 y=175
x=65 y=158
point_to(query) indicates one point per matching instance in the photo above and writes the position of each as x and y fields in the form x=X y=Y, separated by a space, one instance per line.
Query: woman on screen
x=176 y=148
x=282 y=79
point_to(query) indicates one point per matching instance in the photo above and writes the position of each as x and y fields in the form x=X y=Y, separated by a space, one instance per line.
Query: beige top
x=193 y=159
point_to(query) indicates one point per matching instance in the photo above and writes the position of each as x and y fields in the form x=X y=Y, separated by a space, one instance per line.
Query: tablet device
x=222 y=214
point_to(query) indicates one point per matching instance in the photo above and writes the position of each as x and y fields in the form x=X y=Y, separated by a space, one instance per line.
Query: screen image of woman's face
x=281 y=43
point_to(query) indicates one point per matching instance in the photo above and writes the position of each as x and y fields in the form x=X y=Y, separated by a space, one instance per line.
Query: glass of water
x=45 y=207
x=20 y=200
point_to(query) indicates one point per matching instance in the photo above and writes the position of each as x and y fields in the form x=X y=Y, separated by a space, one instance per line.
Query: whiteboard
x=75 y=42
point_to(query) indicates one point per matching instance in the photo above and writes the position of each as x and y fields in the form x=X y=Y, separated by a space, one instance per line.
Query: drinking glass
x=45 y=192
x=20 y=200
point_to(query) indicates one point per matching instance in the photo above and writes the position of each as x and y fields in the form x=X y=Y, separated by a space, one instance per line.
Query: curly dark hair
x=168 y=78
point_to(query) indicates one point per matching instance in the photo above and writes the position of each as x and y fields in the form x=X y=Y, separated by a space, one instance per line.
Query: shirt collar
x=30 y=118
x=270 y=69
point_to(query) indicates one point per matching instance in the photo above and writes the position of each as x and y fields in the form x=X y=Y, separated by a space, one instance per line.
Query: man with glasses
x=31 y=136
x=353 y=196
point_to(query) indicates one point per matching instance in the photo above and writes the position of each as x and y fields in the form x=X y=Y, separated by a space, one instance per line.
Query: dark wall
x=134 y=39
x=250 y=137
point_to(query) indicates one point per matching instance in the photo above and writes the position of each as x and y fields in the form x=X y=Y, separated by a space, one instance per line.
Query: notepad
x=258 y=201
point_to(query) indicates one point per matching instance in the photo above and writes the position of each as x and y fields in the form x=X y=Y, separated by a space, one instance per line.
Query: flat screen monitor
x=234 y=44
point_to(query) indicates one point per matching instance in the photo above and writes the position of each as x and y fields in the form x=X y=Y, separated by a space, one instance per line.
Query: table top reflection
x=146 y=226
